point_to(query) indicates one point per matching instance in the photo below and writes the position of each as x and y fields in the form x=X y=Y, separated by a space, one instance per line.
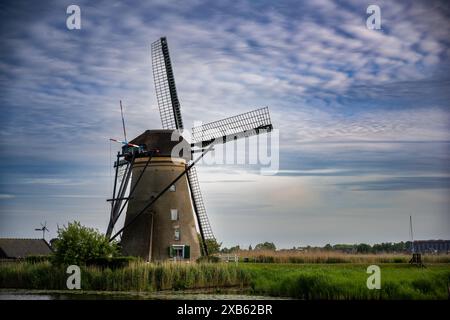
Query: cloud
x=399 y=183
x=52 y=181
x=4 y=196
x=349 y=102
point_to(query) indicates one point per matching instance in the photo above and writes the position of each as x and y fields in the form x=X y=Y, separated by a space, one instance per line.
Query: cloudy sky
x=363 y=115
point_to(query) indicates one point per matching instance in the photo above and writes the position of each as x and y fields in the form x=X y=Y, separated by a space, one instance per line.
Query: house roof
x=21 y=248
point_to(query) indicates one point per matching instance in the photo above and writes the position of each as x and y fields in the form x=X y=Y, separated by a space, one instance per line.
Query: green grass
x=303 y=281
x=348 y=281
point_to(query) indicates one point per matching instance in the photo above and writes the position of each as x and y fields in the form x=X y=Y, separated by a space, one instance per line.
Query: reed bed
x=138 y=276
x=291 y=256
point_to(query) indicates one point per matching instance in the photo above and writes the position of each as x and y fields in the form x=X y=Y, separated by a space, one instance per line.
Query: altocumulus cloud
x=350 y=103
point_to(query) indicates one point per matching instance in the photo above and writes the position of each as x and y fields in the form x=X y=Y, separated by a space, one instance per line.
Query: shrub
x=111 y=262
x=212 y=259
x=77 y=244
x=37 y=258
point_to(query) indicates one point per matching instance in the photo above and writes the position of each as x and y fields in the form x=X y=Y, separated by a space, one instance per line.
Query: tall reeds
x=138 y=276
x=291 y=256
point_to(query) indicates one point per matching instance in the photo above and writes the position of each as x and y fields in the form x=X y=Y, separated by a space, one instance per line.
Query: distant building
x=432 y=246
x=13 y=249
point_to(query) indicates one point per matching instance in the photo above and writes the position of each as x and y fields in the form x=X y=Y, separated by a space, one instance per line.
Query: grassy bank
x=348 y=281
x=303 y=281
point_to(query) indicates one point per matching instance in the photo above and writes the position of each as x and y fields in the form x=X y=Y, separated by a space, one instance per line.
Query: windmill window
x=172 y=188
x=174 y=214
x=177 y=234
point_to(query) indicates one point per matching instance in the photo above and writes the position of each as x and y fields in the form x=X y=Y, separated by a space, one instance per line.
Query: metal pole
x=132 y=189
x=110 y=225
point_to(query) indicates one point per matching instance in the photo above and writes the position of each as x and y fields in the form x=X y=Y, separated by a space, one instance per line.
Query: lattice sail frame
x=240 y=126
x=166 y=92
x=200 y=210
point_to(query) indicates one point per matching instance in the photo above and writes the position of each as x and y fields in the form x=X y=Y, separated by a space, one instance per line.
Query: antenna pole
x=123 y=122
x=411 y=234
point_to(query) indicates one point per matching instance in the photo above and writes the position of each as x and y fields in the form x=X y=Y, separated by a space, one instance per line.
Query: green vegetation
x=330 y=257
x=77 y=244
x=347 y=281
x=328 y=273
x=303 y=281
x=385 y=247
x=265 y=246
x=212 y=244
x=138 y=276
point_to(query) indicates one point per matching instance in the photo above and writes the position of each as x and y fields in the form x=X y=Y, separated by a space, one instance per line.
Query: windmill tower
x=165 y=205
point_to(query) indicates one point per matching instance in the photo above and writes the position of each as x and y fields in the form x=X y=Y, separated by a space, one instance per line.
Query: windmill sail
x=240 y=126
x=166 y=92
x=199 y=207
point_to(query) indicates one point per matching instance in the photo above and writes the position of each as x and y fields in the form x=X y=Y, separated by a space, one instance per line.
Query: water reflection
x=30 y=295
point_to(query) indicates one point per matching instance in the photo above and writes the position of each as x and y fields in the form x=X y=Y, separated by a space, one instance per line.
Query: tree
x=77 y=244
x=250 y=248
x=265 y=246
x=363 y=248
x=212 y=244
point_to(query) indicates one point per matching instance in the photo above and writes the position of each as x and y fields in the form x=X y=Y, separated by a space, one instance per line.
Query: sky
x=363 y=115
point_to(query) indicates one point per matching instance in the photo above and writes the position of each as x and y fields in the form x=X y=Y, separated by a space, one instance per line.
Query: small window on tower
x=174 y=214
x=172 y=188
x=177 y=234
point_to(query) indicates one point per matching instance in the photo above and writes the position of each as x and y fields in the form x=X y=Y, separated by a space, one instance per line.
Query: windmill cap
x=161 y=140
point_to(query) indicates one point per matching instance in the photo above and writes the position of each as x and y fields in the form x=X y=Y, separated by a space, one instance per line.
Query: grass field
x=302 y=281
x=348 y=281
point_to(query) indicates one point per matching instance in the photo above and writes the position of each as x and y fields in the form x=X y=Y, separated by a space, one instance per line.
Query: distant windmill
x=416 y=255
x=165 y=204
x=43 y=228
x=411 y=234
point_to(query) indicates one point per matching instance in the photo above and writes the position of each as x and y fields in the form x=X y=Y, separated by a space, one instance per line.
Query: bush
x=111 y=262
x=212 y=259
x=266 y=246
x=77 y=244
x=37 y=258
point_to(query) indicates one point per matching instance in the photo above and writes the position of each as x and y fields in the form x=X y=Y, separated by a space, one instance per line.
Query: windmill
x=164 y=204
x=411 y=235
x=416 y=255
x=43 y=228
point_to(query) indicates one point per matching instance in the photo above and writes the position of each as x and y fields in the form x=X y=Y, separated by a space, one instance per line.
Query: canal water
x=95 y=295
